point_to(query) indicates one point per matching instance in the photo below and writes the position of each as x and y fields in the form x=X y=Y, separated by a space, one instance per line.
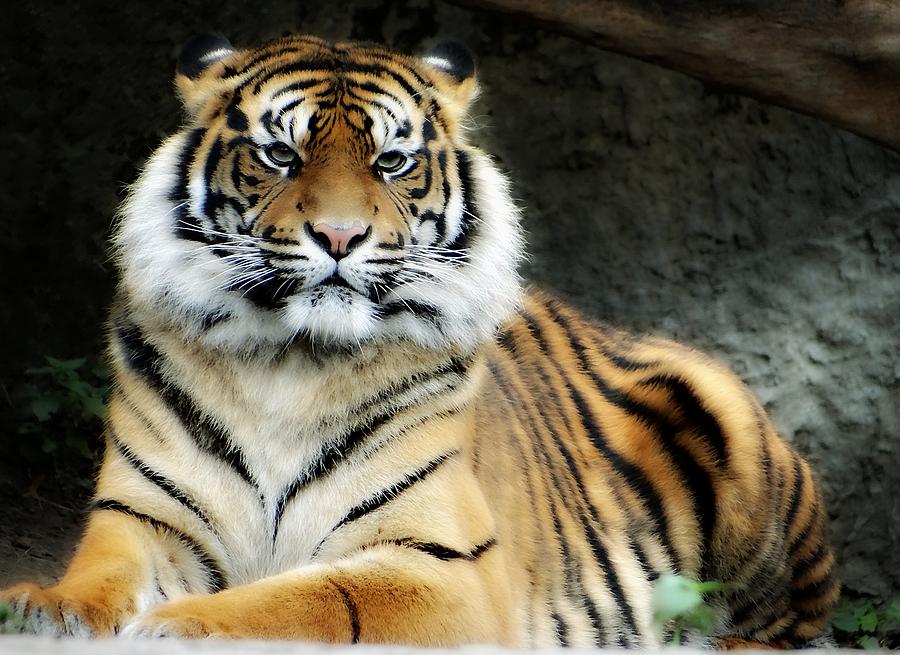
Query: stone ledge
x=23 y=645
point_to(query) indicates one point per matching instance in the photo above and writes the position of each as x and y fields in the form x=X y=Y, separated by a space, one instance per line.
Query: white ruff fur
x=182 y=281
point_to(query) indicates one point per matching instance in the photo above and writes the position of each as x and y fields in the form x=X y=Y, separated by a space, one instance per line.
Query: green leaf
x=674 y=596
x=95 y=407
x=845 y=621
x=65 y=364
x=868 y=621
x=711 y=585
x=10 y=623
x=45 y=407
x=702 y=619
x=869 y=642
x=892 y=611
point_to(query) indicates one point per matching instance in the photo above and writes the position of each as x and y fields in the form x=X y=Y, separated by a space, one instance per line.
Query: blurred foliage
x=680 y=602
x=867 y=622
x=9 y=622
x=60 y=412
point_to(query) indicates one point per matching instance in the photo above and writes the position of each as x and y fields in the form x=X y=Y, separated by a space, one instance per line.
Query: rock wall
x=652 y=201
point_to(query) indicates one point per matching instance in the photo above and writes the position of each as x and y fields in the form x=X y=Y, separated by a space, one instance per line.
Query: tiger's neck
x=314 y=388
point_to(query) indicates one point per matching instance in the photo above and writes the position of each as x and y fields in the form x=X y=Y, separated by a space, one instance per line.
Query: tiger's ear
x=197 y=56
x=453 y=68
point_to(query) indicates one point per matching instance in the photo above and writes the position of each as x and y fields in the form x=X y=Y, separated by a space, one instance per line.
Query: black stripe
x=301 y=85
x=422 y=191
x=807 y=564
x=352 y=611
x=562 y=632
x=293 y=104
x=212 y=319
x=235 y=117
x=212 y=200
x=632 y=474
x=468 y=228
x=186 y=226
x=259 y=59
x=814 y=590
x=797 y=491
x=694 y=414
x=146 y=361
x=622 y=362
x=373 y=88
x=165 y=484
x=442 y=552
x=758 y=593
x=804 y=534
x=384 y=496
x=213 y=568
x=413 y=307
x=619 y=360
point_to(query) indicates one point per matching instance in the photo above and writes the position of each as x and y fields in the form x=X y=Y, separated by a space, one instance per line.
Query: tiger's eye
x=391 y=162
x=281 y=155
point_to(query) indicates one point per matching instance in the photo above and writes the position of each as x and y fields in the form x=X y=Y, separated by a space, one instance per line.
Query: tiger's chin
x=332 y=316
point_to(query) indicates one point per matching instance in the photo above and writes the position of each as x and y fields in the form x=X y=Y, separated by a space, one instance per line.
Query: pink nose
x=339 y=241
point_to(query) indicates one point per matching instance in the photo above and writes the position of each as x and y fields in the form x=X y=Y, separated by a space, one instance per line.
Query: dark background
x=651 y=200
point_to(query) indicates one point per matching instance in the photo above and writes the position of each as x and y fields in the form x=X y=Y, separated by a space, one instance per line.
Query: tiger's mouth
x=337 y=280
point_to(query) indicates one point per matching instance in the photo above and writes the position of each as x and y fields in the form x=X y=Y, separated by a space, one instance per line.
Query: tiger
x=338 y=413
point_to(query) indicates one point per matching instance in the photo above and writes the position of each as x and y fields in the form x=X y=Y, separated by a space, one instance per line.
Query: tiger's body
x=337 y=417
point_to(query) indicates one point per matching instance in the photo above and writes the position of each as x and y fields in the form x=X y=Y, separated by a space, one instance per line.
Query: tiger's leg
x=387 y=593
x=101 y=588
x=813 y=587
x=122 y=566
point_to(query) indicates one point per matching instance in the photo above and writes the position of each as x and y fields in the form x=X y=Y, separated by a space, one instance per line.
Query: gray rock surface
x=652 y=201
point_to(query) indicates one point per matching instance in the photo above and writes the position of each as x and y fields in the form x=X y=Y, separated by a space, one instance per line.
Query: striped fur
x=400 y=445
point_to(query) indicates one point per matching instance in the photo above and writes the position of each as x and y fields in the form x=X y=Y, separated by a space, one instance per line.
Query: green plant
x=61 y=412
x=10 y=623
x=867 y=622
x=682 y=602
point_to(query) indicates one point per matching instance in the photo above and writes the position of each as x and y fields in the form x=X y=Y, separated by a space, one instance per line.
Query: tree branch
x=836 y=60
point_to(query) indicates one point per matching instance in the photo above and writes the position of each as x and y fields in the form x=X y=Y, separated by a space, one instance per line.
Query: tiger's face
x=326 y=193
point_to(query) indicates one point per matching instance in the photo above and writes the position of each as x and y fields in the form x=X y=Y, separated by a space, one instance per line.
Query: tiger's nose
x=338 y=241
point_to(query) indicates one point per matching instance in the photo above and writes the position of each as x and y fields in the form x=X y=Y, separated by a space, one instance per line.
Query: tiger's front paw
x=178 y=618
x=46 y=612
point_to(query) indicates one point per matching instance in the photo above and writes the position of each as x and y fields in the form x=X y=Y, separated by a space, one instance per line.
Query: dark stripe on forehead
x=337 y=67
x=371 y=87
x=298 y=86
x=366 y=102
x=301 y=66
x=266 y=55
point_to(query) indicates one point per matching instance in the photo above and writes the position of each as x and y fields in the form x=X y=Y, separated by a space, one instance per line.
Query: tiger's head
x=322 y=192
